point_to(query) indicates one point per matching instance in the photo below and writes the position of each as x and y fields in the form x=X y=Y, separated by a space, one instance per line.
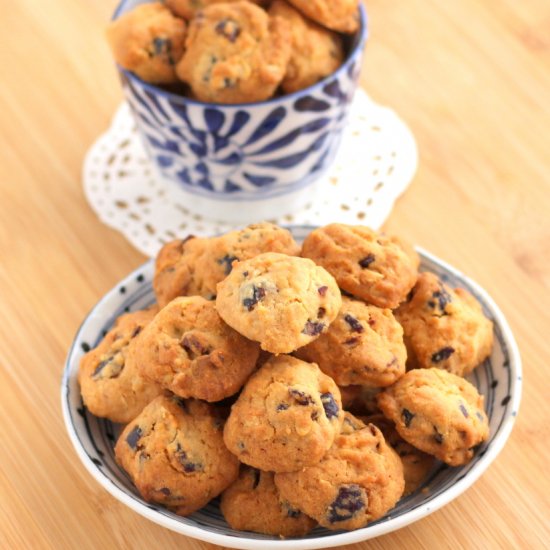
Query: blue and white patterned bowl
x=498 y=379
x=246 y=162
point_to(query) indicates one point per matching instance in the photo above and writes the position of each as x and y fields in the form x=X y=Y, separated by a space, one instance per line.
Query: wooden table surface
x=471 y=78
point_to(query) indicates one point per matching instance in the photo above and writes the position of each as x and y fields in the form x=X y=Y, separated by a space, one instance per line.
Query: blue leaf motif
x=183 y=176
x=220 y=143
x=333 y=90
x=164 y=162
x=271 y=121
x=167 y=145
x=310 y=103
x=214 y=119
x=202 y=168
x=181 y=110
x=241 y=118
x=233 y=158
x=230 y=187
x=136 y=96
x=259 y=181
x=310 y=127
x=320 y=164
x=155 y=101
x=205 y=184
x=295 y=159
x=199 y=149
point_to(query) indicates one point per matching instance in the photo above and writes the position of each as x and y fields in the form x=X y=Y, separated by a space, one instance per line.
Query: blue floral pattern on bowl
x=248 y=151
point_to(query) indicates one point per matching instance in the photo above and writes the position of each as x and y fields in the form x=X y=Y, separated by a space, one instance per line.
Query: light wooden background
x=471 y=78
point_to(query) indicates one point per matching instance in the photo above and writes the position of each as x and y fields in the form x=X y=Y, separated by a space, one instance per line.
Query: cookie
x=190 y=351
x=285 y=418
x=235 y=53
x=444 y=328
x=283 y=302
x=378 y=269
x=438 y=413
x=316 y=52
x=189 y=8
x=358 y=480
x=338 y=15
x=148 y=41
x=253 y=503
x=363 y=346
x=416 y=464
x=194 y=266
x=174 y=453
x=110 y=382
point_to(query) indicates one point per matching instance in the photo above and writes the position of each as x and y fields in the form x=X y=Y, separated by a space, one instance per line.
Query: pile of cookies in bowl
x=234 y=51
x=304 y=386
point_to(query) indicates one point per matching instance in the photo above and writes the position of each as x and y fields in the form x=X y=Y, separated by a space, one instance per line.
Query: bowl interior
x=498 y=379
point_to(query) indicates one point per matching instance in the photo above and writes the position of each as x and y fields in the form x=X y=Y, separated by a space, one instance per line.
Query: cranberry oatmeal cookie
x=148 y=41
x=316 y=52
x=235 y=53
x=253 y=503
x=286 y=417
x=378 y=269
x=338 y=15
x=363 y=346
x=444 y=328
x=194 y=266
x=416 y=464
x=175 y=455
x=358 y=480
x=110 y=382
x=283 y=302
x=438 y=413
x=190 y=351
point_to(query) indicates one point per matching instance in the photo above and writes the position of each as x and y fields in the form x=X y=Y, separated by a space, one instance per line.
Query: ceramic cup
x=246 y=162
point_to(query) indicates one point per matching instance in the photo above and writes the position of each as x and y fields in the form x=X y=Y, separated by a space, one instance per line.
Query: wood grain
x=472 y=79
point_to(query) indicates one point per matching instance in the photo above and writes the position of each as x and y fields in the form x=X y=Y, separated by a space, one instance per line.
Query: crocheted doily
x=375 y=163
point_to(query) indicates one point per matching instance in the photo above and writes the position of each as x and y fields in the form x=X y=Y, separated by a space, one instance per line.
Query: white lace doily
x=375 y=163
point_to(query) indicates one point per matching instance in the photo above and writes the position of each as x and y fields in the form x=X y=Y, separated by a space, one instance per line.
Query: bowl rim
x=361 y=39
x=337 y=539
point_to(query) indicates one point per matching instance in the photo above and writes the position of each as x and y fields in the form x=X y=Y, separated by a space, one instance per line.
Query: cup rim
x=361 y=35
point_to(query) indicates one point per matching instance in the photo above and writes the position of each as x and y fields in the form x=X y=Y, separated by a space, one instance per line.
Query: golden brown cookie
x=416 y=464
x=438 y=413
x=338 y=15
x=316 y=52
x=380 y=270
x=362 y=346
x=190 y=351
x=253 y=503
x=148 y=41
x=283 y=302
x=189 y=8
x=444 y=328
x=110 y=382
x=358 y=480
x=235 y=53
x=194 y=266
x=175 y=455
x=286 y=417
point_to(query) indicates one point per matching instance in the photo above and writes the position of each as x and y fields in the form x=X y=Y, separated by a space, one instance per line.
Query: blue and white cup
x=252 y=161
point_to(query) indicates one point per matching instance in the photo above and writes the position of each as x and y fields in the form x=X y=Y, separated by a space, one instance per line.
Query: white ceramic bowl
x=498 y=378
